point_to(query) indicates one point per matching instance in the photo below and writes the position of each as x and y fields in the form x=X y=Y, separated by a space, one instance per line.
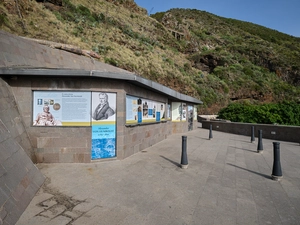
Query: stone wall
x=73 y=144
x=19 y=177
x=55 y=144
x=274 y=132
x=141 y=137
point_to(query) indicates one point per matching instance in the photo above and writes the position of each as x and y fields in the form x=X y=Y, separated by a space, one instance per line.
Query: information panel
x=184 y=112
x=190 y=116
x=140 y=110
x=169 y=112
x=103 y=125
x=195 y=112
x=55 y=108
x=176 y=111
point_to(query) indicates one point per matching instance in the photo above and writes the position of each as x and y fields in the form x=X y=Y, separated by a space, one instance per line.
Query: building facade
x=75 y=109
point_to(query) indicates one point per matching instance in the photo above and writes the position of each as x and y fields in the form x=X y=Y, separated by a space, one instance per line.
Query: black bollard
x=252 y=134
x=260 y=144
x=184 y=160
x=276 y=172
x=210 y=132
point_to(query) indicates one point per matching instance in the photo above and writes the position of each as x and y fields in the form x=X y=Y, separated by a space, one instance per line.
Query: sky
x=280 y=15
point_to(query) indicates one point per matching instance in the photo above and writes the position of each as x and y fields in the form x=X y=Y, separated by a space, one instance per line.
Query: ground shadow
x=294 y=143
x=251 y=171
x=171 y=161
x=243 y=149
x=201 y=138
x=241 y=141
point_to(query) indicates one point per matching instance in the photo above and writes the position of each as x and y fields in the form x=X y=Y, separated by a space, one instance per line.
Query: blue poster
x=103 y=141
x=157 y=116
x=139 y=117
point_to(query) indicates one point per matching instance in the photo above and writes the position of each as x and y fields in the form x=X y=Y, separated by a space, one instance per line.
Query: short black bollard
x=276 y=172
x=260 y=144
x=210 y=132
x=184 y=160
x=252 y=134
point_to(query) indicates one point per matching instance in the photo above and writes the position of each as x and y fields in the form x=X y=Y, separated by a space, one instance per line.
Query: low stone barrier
x=273 y=132
x=20 y=179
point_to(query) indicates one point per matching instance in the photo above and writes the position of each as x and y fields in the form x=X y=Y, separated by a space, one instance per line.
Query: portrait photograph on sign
x=103 y=106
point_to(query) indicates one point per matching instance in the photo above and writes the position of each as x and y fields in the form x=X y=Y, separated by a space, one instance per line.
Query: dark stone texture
x=18 y=183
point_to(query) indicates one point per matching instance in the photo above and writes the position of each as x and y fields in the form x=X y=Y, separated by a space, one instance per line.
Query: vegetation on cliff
x=284 y=113
x=218 y=60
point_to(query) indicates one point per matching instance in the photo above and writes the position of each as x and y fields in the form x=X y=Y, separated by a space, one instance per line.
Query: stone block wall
x=73 y=144
x=274 y=132
x=179 y=127
x=55 y=144
x=143 y=136
x=62 y=149
x=20 y=179
x=70 y=144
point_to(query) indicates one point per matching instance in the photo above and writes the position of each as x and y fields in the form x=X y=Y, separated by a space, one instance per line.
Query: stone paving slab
x=226 y=182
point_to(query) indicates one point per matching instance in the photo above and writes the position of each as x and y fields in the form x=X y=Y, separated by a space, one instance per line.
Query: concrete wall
x=274 y=132
x=19 y=177
x=73 y=144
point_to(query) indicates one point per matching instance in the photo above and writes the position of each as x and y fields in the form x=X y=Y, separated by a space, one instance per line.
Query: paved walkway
x=226 y=182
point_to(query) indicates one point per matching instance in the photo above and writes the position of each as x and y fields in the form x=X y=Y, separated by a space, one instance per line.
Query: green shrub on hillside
x=285 y=113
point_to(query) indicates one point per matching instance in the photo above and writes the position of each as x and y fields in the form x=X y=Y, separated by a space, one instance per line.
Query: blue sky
x=281 y=15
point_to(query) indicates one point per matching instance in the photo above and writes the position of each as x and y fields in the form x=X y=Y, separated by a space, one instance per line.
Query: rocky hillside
x=216 y=59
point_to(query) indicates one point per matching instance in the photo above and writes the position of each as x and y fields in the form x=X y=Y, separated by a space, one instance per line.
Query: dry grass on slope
x=125 y=38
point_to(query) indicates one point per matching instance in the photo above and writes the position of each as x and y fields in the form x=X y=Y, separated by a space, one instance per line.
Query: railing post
x=276 y=172
x=184 y=159
x=210 y=132
x=252 y=134
x=260 y=144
